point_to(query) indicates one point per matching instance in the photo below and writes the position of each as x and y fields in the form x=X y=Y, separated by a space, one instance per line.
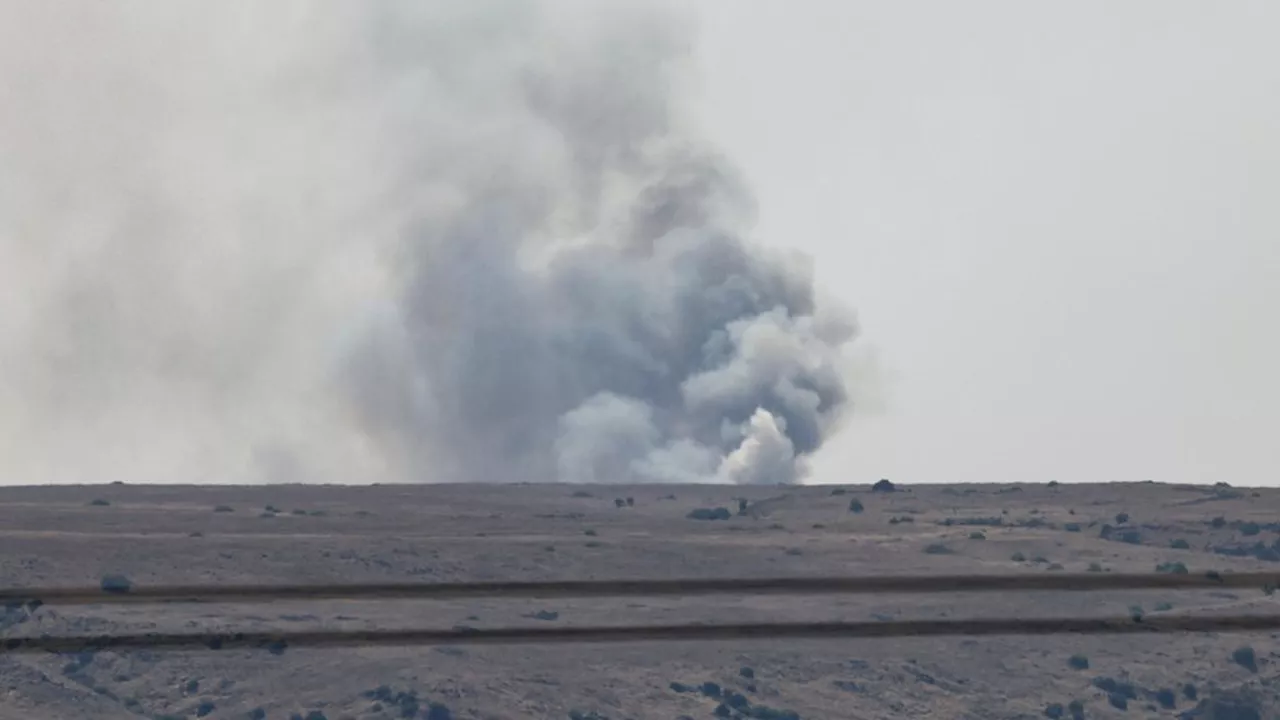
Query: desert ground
x=74 y=536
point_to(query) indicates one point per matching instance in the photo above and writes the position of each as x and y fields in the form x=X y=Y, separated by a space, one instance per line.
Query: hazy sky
x=221 y=223
x=1059 y=223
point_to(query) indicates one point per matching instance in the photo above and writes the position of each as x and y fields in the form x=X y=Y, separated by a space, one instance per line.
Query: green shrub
x=977 y=536
x=1180 y=544
x=937 y=549
x=1078 y=662
x=1122 y=518
x=116 y=584
x=855 y=506
x=1250 y=529
x=718 y=513
x=1245 y=658
x=1018 y=557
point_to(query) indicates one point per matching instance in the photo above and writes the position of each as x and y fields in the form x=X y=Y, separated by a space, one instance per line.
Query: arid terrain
x=58 y=536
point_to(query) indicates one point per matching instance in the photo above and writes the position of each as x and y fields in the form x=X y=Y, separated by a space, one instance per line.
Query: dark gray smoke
x=414 y=241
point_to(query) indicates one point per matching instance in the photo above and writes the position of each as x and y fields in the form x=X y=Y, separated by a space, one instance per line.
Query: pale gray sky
x=1058 y=222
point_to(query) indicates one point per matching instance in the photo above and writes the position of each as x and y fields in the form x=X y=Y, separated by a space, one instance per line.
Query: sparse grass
x=1174 y=568
x=224 y=509
x=979 y=521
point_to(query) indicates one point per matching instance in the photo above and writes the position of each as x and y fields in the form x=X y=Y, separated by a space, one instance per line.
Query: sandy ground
x=308 y=534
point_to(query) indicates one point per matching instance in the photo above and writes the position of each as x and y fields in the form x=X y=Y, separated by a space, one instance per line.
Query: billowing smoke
x=477 y=241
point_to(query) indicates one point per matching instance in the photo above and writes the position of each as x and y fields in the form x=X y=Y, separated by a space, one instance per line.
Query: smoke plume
x=409 y=241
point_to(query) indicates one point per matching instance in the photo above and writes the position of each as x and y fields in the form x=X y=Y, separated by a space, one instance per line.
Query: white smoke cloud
x=765 y=455
x=387 y=241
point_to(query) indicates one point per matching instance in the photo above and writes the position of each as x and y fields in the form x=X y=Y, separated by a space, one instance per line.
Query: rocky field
x=55 y=536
